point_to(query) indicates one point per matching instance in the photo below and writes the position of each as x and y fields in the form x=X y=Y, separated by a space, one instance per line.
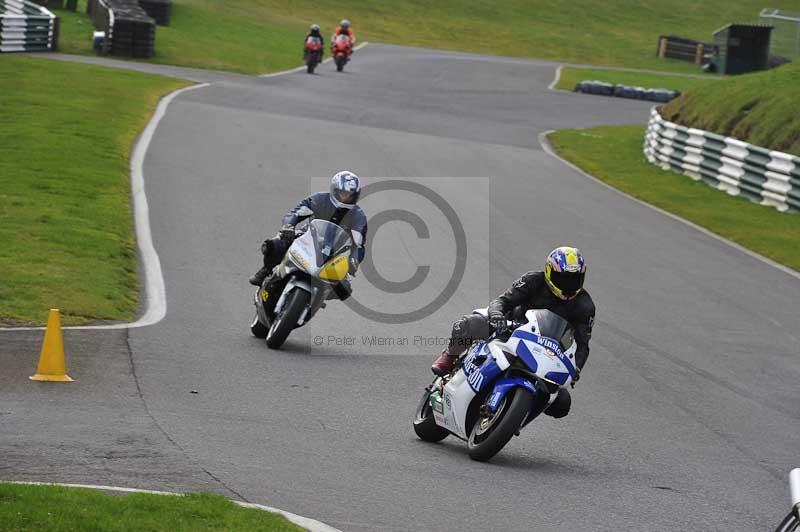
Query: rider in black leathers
x=338 y=205
x=532 y=291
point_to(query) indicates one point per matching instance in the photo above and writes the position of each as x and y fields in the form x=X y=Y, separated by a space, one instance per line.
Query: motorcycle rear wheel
x=424 y=424
x=286 y=321
x=490 y=435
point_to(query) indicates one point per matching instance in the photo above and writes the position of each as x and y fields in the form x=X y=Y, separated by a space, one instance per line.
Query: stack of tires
x=626 y=91
x=134 y=32
x=129 y=31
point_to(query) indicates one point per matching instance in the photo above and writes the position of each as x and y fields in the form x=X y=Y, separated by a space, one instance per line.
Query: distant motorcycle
x=312 y=54
x=316 y=262
x=342 y=49
x=498 y=387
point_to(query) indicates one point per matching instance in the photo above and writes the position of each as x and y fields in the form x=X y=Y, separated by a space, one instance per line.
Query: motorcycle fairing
x=457 y=396
x=504 y=385
x=480 y=366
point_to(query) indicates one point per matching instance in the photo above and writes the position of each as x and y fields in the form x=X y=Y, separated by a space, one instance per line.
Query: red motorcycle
x=312 y=54
x=341 y=49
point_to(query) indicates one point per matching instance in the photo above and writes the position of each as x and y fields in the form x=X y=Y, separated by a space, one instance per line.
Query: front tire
x=283 y=324
x=258 y=329
x=340 y=61
x=490 y=435
x=424 y=424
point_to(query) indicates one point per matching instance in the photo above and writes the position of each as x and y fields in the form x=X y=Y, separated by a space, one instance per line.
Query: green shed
x=742 y=48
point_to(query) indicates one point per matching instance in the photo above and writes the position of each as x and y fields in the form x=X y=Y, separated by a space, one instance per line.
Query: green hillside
x=761 y=108
x=260 y=35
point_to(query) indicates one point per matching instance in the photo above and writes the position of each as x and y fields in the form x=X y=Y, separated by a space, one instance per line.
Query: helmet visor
x=569 y=283
x=344 y=196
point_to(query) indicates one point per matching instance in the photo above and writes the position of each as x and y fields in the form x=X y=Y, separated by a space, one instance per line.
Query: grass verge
x=759 y=108
x=257 y=35
x=66 y=228
x=571 y=76
x=57 y=508
x=206 y=34
x=614 y=155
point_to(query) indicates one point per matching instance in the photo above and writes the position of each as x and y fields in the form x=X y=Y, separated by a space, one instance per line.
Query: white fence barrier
x=764 y=176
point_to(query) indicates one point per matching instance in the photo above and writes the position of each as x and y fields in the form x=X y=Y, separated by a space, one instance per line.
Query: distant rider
x=559 y=288
x=314 y=32
x=345 y=29
x=337 y=205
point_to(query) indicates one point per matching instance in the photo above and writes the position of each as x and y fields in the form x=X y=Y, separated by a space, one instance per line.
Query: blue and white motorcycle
x=498 y=387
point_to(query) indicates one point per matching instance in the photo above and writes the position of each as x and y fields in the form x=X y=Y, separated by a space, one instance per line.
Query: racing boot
x=259 y=276
x=444 y=364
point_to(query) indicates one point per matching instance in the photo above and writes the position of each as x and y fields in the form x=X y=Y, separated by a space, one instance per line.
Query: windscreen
x=329 y=240
x=313 y=40
x=554 y=326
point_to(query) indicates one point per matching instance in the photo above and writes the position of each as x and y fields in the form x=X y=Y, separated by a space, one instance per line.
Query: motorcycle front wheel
x=284 y=322
x=490 y=434
x=258 y=329
x=424 y=424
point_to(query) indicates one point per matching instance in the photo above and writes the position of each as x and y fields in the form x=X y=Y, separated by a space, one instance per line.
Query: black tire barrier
x=129 y=30
x=595 y=87
x=27 y=27
x=626 y=91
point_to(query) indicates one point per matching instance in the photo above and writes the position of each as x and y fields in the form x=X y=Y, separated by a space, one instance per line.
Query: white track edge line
x=552 y=85
x=156 y=302
x=155 y=296
x=302 y=67
x=545 y=143
x=306 y=522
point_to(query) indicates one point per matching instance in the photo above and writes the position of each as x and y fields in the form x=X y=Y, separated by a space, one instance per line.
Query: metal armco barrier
x=761 y=175
x=27 y=27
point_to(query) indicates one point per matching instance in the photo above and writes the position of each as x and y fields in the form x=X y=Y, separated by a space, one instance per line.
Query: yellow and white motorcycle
x=315 y=268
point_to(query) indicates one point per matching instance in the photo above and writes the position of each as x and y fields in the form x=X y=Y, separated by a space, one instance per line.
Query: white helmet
x=345 y=189
x=344 y=23
x=315 y=27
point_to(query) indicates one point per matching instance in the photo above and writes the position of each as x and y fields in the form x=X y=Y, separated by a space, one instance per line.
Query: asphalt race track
x=688 y=413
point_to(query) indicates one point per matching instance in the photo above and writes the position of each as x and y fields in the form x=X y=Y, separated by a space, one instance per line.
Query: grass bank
x=260 y=35
x=614 y=155
x=56 y=509
x=762 y=108
x=571 y=76
x=66 y=229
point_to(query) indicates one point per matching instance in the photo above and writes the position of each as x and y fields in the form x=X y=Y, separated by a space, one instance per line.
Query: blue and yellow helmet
x=564 y=272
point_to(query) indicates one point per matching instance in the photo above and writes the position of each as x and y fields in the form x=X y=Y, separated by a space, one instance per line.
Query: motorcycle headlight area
x=336 y=269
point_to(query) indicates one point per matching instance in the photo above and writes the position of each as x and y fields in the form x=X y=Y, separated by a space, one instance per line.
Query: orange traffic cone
x=52 y=366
